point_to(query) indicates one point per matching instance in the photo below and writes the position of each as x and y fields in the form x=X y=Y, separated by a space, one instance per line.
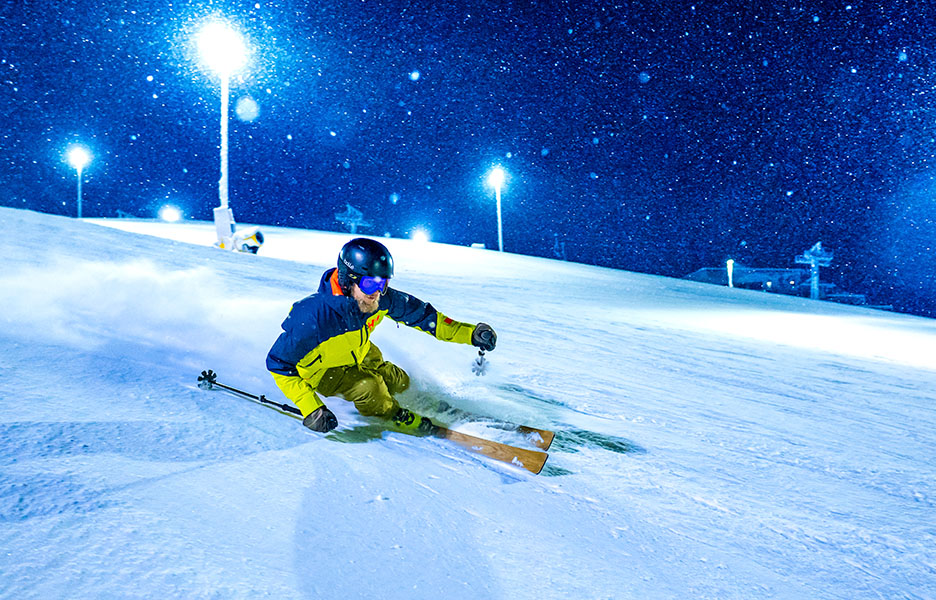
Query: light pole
x=224 y=52
x=496 y=180
x=79 y=157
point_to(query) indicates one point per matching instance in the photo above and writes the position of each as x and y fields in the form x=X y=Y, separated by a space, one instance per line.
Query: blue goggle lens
x=369 y=285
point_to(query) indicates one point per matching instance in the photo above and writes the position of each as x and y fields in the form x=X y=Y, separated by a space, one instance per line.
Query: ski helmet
x=363 y=257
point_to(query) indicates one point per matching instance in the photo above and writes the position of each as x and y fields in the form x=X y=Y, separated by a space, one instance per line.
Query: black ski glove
x=321 y=419
x=484 y=337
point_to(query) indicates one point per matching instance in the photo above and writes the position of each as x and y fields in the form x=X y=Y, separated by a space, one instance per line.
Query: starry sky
x=653 y=136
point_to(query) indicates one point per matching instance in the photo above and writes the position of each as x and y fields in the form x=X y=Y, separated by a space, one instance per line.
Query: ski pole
x=479 y=366
x=209 y=380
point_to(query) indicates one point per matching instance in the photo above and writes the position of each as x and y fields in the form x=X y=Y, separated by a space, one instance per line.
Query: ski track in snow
x=703 y=449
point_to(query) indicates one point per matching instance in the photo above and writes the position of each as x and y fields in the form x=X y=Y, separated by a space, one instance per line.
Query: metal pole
x=814 y=280
x=223 y=182
x=500 y=228
x=79 y=192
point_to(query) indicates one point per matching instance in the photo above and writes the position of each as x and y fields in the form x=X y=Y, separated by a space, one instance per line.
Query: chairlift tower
x=352 y=218
x=815 y=257
x=559 y=250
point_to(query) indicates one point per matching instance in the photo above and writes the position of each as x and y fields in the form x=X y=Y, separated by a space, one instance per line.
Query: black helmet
x=362 y=257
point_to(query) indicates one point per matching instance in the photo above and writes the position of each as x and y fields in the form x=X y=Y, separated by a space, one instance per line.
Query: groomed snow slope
x=713 y=443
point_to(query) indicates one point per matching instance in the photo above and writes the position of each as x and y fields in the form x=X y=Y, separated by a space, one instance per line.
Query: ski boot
x=409 y=421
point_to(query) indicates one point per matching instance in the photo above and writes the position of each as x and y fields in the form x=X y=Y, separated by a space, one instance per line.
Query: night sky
x=659 y=137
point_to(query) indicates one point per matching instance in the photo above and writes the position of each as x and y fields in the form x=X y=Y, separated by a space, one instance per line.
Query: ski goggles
x=369 y=285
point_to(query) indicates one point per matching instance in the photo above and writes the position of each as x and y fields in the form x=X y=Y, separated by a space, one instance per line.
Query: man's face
x=367 y=303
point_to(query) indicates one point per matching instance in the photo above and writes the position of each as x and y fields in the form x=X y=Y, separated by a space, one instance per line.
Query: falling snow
x=704 y=117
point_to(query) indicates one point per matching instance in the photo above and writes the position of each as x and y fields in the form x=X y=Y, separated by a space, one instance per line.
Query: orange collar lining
x=336 y=289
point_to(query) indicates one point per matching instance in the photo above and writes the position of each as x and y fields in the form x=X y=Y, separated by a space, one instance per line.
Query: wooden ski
x=531 y=460
x=541 y=438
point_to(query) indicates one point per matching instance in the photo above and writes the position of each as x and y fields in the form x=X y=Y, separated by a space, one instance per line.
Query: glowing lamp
x=222 y=48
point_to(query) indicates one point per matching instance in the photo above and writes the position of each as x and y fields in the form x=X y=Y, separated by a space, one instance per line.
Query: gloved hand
x=484 y=337
x=321 y=419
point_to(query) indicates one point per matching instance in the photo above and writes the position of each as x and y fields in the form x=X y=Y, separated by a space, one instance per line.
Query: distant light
x=421 y=236
x=902 y=57
x=79 y=157
x=414 y=76
x=170 y=214
x=497 y=177
x=394 y=198
x=247 y=109
x=644 y=77
x=222 y=48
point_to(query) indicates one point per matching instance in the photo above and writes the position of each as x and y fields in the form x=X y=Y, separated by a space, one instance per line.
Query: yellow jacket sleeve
x=450 y=330
x=299 y=391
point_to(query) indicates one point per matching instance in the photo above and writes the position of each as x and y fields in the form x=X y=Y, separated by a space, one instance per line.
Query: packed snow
x=712 y=442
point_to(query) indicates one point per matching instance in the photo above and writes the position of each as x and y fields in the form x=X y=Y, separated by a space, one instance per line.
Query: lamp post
x=496 y=180
x=223 y=50
x=79 y=157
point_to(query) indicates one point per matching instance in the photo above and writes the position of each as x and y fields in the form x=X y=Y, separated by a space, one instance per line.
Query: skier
x=325 y=348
